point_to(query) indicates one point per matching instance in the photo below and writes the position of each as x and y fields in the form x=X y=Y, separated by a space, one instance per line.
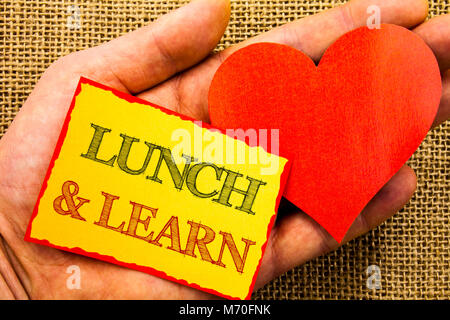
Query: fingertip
x=388 y=201
x=226 y=8
x=399 y=189
x=392 y=197
x=436 y=33
x=443 y=113
x=424 y=8
x=216 y=15
x=221 y=7
x=409 y=13
x=410 y=181
x=414 y=13
x=220 y=10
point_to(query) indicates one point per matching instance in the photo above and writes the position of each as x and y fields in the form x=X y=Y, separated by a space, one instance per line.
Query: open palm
x=167 y=63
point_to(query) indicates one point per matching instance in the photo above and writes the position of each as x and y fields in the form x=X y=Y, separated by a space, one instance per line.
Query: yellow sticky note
x=140 y=186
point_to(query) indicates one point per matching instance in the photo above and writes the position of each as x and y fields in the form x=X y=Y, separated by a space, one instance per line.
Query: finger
x=436 y=33
x=173 y=43
x=298 y=238
x=313 y=35
x=443 y=113
x=9 y=278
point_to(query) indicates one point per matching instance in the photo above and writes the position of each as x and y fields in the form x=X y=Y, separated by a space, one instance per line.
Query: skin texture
x=150 y=63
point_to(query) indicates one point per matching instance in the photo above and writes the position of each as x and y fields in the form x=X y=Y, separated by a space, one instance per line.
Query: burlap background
x=412 y=249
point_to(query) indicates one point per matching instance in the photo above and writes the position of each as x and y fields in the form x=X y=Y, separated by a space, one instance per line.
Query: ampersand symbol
x=68 y=197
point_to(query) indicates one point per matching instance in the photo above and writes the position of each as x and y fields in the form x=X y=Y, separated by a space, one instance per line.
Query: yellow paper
x=154 y=220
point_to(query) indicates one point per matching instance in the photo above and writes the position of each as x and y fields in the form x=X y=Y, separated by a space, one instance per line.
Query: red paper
x=348 y=125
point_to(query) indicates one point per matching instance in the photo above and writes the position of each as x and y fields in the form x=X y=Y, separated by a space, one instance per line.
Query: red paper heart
x=348 y=125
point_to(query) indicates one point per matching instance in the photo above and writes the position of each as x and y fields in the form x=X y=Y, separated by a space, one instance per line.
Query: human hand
x=140 y=63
